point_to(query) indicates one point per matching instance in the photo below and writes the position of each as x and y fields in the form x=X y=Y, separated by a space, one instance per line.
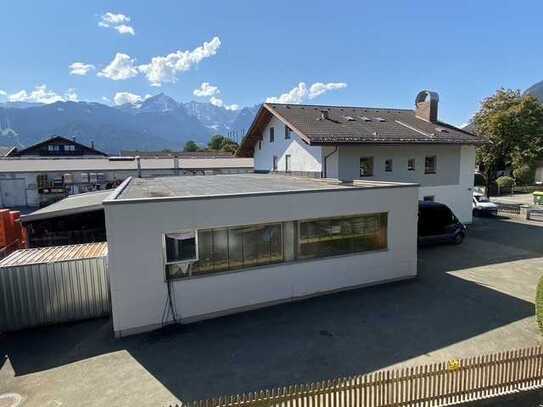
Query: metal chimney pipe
x=138 y=163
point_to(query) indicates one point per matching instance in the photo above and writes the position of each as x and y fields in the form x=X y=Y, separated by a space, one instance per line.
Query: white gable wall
x=304 y=158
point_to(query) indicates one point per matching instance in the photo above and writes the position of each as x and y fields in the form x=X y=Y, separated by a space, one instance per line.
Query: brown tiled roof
x=346 y=125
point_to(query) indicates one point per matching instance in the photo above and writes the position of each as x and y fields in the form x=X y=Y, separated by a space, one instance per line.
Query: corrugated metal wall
x=47 y=293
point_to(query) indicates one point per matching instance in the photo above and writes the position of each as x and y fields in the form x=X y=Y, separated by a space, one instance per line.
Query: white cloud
x=80 y=68
x=3 y=93
x=118 y=22
x=206 y=89
x=164 y=69
x=121 y=98
x=71 y=95
x=122 y=67
x=125 y=29
x=318 y=88
x=301 y=92
x=215 y=101
x=41 y=94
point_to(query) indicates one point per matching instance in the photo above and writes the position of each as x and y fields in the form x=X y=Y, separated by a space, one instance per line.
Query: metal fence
x=48 y=292
x=509 y=209
x=439 y=384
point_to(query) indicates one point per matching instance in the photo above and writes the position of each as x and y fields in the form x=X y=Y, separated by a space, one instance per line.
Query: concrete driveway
x=469 y=299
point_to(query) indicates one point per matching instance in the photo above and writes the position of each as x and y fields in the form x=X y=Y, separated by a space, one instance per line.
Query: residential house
x=374 y=144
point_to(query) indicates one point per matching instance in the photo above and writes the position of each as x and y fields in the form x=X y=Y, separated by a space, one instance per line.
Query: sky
x=240 y=53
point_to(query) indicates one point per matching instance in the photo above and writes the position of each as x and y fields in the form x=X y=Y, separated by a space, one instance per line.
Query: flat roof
x=79 y=203
x=202 y=186
x=53 y=254
x=9 y=165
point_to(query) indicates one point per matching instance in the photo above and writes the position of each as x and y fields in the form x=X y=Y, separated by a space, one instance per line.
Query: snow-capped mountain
x=157 y=122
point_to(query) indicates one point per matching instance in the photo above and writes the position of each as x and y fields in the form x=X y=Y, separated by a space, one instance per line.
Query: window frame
x=288 y=132
x=389 y=160
x=165 y=254
x=272 y=134
x=298 y=240
x=431 y=171
x=372 y=161
x=411 y=167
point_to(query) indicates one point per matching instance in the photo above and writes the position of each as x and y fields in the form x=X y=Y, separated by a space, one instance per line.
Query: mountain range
x=156 y=123
x=536 y=90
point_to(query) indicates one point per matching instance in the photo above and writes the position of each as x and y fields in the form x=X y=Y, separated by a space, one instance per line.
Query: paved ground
x=470 y=299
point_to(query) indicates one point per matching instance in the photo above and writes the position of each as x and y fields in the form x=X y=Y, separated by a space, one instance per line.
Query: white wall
x=304 y=157
x=138 y=288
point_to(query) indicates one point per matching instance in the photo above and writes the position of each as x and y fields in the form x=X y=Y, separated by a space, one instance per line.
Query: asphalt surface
x=470 y=299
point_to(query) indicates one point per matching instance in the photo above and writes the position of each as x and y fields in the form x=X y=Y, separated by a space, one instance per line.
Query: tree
x=222 y=143
x=512 y=125
x=191 y=147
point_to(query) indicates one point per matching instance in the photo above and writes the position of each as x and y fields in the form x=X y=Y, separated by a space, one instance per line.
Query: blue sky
x=362 y=53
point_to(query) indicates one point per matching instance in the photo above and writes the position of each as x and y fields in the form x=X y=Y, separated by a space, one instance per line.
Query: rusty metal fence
x=52 y=285
x=439 y=384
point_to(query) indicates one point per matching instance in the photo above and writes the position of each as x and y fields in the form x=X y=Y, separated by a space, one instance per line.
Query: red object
x=13 y=235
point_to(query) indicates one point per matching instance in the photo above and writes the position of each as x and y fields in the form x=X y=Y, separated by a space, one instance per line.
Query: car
x=438 y=224
x=483 y=206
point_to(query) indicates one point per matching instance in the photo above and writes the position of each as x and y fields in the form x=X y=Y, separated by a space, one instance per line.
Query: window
x=53 y=147
x=179 y=248
x=287 y=163
x=388 y=165
x=260 y=144
x=238 y=247
x=69 y=147
x=411 y=164
x=430 y=164
x=233 y=248
x=287 y=132
x=274 y=163
x=430 y=198
x=272 y=134
x=344 y=235
x=366 y=166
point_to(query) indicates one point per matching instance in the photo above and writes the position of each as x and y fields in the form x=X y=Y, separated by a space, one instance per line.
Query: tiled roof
x=355 y=125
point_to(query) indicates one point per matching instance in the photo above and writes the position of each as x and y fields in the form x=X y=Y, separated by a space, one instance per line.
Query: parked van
x=438 y=224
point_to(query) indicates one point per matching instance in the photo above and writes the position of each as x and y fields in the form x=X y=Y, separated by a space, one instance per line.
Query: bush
x=524 y=175
x=539 y=304
x=504 y=182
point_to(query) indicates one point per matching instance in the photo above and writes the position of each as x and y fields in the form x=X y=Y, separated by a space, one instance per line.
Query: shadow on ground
x=336 y=335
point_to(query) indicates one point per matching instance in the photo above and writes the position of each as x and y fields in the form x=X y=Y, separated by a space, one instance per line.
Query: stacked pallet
x=13 y=235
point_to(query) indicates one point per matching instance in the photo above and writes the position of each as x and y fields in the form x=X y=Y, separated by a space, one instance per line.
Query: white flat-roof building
x=33 y=182
x=188 y=248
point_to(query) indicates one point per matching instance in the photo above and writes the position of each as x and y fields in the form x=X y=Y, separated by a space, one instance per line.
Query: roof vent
x=324 y=115
x=366 y=119
x=349 y=118
x=380 y=119
x=442 y=130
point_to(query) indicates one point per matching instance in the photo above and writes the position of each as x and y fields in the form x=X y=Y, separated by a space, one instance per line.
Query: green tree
x=512 y=125
x=191 y=147
x=222 y=143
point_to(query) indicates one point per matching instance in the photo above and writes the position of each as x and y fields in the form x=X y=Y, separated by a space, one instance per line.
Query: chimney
x=73 y=139
x=92 y=143
x=324 y=115
x=426 y=105
x=138 y=163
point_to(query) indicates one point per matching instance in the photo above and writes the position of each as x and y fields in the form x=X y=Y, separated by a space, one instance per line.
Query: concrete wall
x=139 y=290
x=304 y=158
x=452 y=184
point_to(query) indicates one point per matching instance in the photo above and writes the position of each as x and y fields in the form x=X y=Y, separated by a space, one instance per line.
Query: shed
x=53 y=284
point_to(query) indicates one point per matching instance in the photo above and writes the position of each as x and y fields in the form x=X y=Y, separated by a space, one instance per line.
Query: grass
x=539 y=304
